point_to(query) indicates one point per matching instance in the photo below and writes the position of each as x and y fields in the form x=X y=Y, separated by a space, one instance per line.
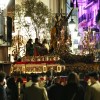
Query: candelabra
x=17 y=43
x=89 y=42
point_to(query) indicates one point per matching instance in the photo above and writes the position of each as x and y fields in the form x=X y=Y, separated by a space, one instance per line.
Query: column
x=62 y=5
x=53 y=5
x=1 y=25
x=3 y=53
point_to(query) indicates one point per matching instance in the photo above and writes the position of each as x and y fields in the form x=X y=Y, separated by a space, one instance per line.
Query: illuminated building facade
x=88 y=10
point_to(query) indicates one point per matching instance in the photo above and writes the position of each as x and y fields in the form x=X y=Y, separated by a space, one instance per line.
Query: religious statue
x=59 y=33
x=29 y=48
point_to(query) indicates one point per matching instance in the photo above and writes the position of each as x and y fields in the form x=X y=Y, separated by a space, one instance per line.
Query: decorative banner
x=11 y=70
x=39 y=69
x=18 y=67
x=29 y=68
x=58 y=68
x=23 y=69
x=63 y=67
x=44 y=69
x=36 y=68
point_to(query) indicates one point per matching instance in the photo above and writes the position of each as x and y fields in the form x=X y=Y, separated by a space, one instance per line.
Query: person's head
x=73 y=78
x=30 y=41
x=44 y=41
x=2 y=76
x=19 y=79
x=36 y=40
x=11 y=82
x=93 y=76
x=57 y=80
x=35 y=78
x=28 y=78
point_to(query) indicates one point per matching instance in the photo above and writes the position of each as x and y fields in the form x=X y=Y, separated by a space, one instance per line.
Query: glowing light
x=72 y=25
x=3 y=4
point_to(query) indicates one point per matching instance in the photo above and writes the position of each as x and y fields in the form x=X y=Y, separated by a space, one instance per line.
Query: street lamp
x=72 y=25
x=3 y=5
x=28 y=20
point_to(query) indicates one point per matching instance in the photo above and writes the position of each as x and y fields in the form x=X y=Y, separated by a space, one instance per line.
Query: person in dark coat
x=73 y=90
x=3 y=95
x=34 y=92
x=55 y=90
x=12 y=89
x=29 y=48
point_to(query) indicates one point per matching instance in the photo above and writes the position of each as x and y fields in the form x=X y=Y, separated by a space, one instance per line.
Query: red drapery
x=36 y=62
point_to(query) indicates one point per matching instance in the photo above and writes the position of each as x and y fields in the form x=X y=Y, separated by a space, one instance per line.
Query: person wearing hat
x=34 y=92
x=93 y=91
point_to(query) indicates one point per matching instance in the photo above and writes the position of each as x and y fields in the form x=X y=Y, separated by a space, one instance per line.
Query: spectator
x=29 y=82
x=29 y=48
x=35 y=92
x=45 y=45
x=3 y=95
x=93 y=91
x=55 y=90
x=12 y=89
x=73 y=90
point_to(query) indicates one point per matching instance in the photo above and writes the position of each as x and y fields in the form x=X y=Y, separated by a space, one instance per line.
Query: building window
x=83 y=17
x=89 y=1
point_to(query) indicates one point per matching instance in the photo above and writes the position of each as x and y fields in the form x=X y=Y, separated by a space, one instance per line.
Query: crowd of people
x=37 y=48
x=35 y=87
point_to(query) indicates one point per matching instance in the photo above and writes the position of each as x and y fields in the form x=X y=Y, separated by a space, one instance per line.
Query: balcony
x=90 y=3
